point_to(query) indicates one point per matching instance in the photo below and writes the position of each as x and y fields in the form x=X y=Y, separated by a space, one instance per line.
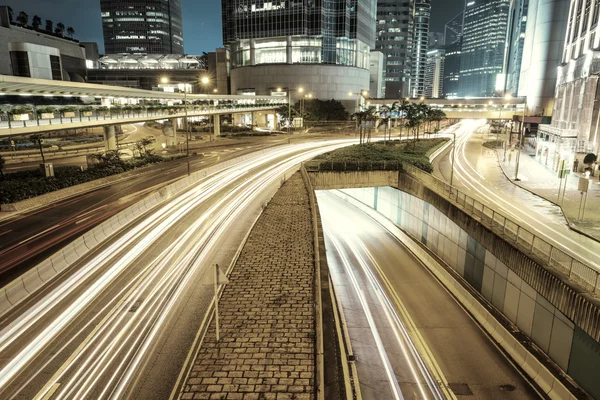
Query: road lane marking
x=49 y=394
x=5 y=232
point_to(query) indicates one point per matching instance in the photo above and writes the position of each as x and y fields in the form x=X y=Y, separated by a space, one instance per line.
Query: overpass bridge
x=103 y=105
x=469 y=108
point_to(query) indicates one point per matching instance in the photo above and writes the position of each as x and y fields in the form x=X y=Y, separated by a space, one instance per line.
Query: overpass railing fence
x=522 y=237
x=30 y=118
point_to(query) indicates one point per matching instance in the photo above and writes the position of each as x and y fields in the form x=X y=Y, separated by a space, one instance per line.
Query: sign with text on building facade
x=583 y=185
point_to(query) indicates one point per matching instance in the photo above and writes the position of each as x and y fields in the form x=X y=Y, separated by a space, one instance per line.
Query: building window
x=55 y=67
x=20 y=63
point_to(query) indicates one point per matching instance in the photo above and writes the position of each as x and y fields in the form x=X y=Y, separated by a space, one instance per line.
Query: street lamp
x=302 y=101
x=205 y=80
x=289 y=93
x=520 y=138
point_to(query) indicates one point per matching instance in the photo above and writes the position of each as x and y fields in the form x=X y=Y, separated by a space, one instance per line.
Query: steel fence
x=522 y=237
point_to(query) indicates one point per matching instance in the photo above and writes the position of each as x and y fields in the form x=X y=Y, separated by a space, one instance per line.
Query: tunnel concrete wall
x=494 y=269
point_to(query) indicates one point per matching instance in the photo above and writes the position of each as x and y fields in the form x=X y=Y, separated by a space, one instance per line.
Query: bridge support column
x=217 y=125
x=110 y=138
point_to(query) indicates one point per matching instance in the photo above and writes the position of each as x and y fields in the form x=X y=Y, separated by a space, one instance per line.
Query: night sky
x=201 y=19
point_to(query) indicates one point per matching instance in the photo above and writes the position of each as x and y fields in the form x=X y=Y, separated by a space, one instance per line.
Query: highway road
x=478 y=174
x=411 y=338
x=119 y=323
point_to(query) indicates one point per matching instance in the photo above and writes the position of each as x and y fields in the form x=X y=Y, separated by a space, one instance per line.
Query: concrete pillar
x=289 y=48
x=237 y=119
x=169 y=129
x=259 y=119
x=110 y=138
x=217 y=125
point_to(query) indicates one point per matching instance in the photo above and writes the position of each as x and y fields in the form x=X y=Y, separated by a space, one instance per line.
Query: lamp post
x=204 y=80
x=520 y=138
x=363 y=93
x=453 y=158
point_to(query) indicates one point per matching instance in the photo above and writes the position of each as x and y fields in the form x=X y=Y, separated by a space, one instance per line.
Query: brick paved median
x=266 y=312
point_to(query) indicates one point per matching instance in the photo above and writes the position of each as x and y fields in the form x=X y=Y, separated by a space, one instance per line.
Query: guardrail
x=511 y=231
x=32 y=120
x=518 y=235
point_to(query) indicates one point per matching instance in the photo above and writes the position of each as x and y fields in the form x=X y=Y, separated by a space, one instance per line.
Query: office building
x=453 y=29
x=436 y=40
x=515 y=41
x=145 y=71
x=377 y=72
x=451 y=76
x=36 y=53
x=434 y=74
x=541 y=53
x=395 y=23
x=142 y=26
x=575 y=127
x=483 y=48
x=420 y=47
x=322 y=47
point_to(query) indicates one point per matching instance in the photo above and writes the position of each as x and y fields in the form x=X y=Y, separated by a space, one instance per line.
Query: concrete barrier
x=551 y=385
x=19 y=289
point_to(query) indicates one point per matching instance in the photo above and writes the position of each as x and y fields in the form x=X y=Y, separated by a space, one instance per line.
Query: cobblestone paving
x=266 y=312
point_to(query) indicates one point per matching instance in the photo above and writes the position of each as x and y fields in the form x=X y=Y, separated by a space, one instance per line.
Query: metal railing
x=522 y=237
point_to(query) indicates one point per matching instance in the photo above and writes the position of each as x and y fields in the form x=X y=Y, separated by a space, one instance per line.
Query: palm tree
x=49 y=24
x=402 y=107
x=36 y=22
x=60 y=28
x=22 y=18
x=70 y=32
x=384 y=119
x=438 y=116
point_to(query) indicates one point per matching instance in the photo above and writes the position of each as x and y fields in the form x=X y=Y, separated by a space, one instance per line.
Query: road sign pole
x=217 y=301
x=564 y=189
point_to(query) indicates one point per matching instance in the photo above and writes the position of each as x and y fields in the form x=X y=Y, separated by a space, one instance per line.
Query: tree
x=38 y=140
x=22 y=18
x=589 y=159
x=49 y=25
x=323 y=110
x=70 y=32
x=36 y=22
x=401 y=107
x=2 y=163
x=438 y=116
x=60 y=28
x=384 y=119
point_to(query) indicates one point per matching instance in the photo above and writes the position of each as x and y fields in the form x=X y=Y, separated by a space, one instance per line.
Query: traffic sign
x=583 y=185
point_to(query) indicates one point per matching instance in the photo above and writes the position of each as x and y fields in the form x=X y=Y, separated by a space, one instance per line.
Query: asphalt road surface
x=119 y=322
x=411 y=338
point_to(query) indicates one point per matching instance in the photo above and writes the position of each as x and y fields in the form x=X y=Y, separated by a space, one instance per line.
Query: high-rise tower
x=394 y=40
x=321 y=46
x=420 y=47
x=142 y=26
x=483 y=47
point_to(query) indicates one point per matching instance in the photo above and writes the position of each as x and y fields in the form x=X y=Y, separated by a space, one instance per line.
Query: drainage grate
x=460 y=389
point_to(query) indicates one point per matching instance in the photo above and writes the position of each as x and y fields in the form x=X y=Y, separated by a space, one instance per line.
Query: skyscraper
x=453 y=29
x=483 y=47
x=515 y=42
x=321 y=46
x=451 y=70
x=420 y=47
x=142 y=26
x=434 y=74
x=394 y=40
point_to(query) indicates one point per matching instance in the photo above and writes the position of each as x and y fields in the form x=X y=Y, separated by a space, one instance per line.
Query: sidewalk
x=544 y=182
x=266 y=311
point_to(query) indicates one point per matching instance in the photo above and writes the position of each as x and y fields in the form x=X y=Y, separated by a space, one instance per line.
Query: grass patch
x=22 y=185
x=410 y=152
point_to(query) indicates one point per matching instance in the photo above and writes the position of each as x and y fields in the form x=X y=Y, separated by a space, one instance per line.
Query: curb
x=568 y=222
x=534 y=368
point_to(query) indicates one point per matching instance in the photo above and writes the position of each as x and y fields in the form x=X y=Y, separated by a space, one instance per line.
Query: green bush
x=23 y=185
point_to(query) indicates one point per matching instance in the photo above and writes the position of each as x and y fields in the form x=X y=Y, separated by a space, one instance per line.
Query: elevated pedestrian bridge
x=469 y=108
x=102 y=105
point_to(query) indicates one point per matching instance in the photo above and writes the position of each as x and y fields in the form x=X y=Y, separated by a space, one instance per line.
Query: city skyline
x=202 y=27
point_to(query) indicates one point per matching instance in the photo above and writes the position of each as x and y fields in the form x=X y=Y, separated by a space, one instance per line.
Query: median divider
x=554 y=387
x=31 y=281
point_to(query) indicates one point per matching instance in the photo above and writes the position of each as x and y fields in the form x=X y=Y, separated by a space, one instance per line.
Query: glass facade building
x=420 y=47
x=516 y=41
x=337 y=32
x=395 y=26
x=483 y=47
x=142 y=26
